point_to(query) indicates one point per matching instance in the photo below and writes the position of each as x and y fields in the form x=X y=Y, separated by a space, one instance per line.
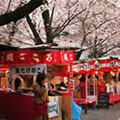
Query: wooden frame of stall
x=67 y=96
x=104 y=68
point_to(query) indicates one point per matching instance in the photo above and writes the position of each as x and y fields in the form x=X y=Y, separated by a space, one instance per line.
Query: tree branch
x=9 y=5
x=99 y=26
x=37 y=38
x=66 y=23
x=109 y=50
x=20 y=12
x=51 y=17
x=47 y=25
x=22 y=42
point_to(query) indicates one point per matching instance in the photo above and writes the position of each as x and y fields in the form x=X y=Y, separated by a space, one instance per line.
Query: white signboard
x=53 y=107
x=27 y=70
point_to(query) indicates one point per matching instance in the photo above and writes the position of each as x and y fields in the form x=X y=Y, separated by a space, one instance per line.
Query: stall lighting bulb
x=96 y=72
x=111 y=73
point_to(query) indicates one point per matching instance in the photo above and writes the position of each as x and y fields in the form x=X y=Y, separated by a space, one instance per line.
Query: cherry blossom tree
x=12 y=11
x=99 y=28
x=93 y=25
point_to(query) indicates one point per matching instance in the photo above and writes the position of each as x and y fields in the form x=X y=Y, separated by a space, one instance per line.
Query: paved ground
x=113 y=113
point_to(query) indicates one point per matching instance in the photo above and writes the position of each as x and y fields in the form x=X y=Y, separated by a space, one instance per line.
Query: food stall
x=101 y=76
x=25 y=63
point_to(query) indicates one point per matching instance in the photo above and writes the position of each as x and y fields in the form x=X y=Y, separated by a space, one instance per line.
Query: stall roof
x=109 y=57
x=4 y=47
x=48 y=47
x=102 y=58
x=42 y=47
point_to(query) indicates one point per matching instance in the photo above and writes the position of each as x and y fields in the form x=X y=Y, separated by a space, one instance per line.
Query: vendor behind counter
x=23 y=84
x=54 y=90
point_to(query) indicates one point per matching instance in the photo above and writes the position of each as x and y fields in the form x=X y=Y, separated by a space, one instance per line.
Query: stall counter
x=21 y=107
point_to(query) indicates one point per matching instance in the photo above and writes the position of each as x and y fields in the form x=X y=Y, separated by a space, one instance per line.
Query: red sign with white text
x=96 y=65
x=27 y=56
x=52 y=57
x=67 y=57
x=23 y=57
x=10 y=57
x=59 y=57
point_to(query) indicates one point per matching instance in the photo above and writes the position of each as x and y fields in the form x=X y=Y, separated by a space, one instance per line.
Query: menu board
x=28 y=70
x=103 y=99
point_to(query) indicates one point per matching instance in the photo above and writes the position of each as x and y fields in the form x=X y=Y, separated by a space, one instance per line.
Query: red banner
x=52 y=57
x=2 y=58
x=10 y=57
x=59 y=57
x=27 y=56
x=23 y=57
x=67 y=57
x=96 y=65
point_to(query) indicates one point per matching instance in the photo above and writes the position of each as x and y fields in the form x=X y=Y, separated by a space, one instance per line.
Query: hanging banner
x=28 y=70
x=67 y=57
x=59 y=57
x=28 y=56
x=52 y=57
x=10 y=57
x=96 y=65
x=23 y=57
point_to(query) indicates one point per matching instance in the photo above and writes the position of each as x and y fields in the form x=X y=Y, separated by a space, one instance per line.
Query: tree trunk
x=47 y=25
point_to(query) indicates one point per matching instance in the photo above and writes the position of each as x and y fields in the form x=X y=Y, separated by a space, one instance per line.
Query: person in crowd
x=76 y=111
x=82 y=84
x=40 y=98
x=61 y=86
x=19 y=84
x=52 y=91
x=28 y=83
x=82 y=78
